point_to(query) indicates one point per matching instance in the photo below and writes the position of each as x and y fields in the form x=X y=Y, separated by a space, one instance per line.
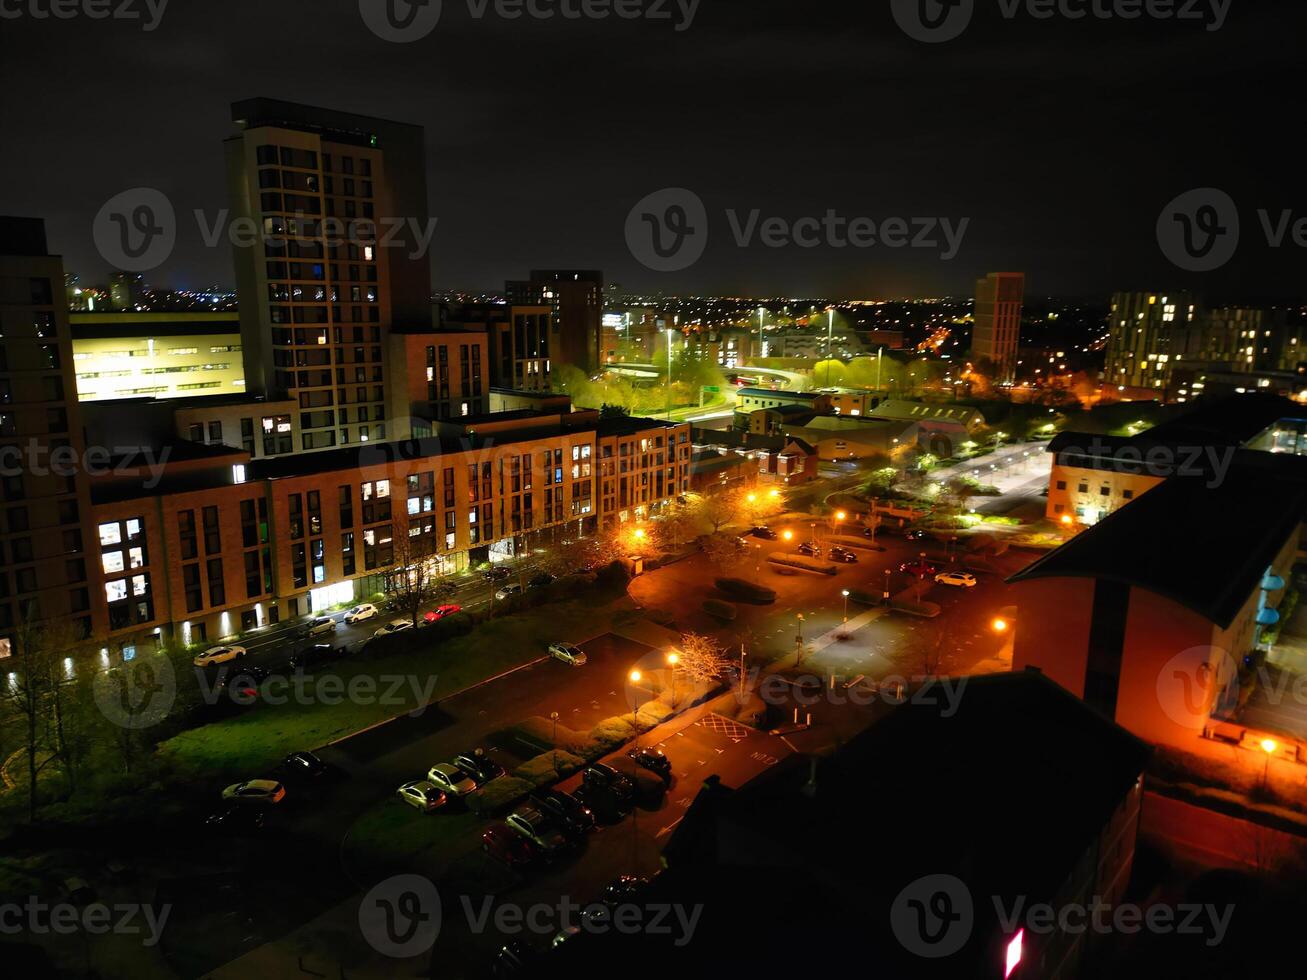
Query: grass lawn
x=264 y=734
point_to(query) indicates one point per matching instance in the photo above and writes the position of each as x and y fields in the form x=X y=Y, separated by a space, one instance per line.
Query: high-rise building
x=1148 y=333
x=576 y=298
x=998 y=322
x=340 y=202
x=44 y=491
x=520 y=341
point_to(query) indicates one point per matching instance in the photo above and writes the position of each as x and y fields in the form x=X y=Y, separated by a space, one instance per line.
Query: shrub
x=927 y=610
x=719 y=608
x=612 y=732
x=499 y=794
x=746 y=591
x=651 y=713
x=538 y=733
x=547 y=767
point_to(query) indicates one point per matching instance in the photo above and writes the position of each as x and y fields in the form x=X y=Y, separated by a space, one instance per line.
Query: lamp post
x=846 y=605
x=635 y=676
x=886 y=587
x=1269 y=745
x=553 y=716
x=673 y=658
x=742 y=656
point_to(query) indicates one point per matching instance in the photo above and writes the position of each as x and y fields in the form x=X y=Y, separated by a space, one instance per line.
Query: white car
x=508 y=590
x=422 y=795
x=218 y=655
x=256 y=791
x=448 y=778
x=964 y=580
x=394 y=626
x=360 y=613
x=567 y=653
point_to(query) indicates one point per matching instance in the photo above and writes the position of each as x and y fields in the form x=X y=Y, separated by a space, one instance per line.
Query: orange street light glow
x=673 y=658
x=840 y=515
x=635 y=677
x=999 y=624
x=1066 y=518
x=639 y=533
x=1269 y=745
x=788 y=535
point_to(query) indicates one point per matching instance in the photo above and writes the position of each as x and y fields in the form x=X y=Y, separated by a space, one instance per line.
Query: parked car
x=440 y=612
x=963 y=580
x=843 y=554
x=240 y=684
x=568 y=653
x=512 y=960
x=218 y=655
x=320 y=626
x=235 y=819
x=605 y=777
x=479 y=767
x=311 y=655
x=450 y=779
x=571 y=815
x=304 y=764
x=763 y=531
x=535 y=827
x=623 y=889
x=810 y=549
x=916 y=534
x=255 y=791
x=393 y=627
x=540 y=580
x=496 y=573
x=509 y=590
x=920 y=568
x=421 y=795
x=504 y=844
x=653 y=759
x=361 y=612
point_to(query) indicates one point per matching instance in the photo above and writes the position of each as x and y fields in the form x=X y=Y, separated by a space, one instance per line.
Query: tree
x=718 y=509
x=726 y=551
x=926 y=649
x=417 y=579
x=607 y=411
x=676 y=525
x=701 y=658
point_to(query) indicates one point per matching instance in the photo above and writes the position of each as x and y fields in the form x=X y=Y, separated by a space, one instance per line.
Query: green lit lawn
x=265 y=734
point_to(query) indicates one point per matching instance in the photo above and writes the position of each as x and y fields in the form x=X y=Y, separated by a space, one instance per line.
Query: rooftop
x=1202 y=540
x=780 y=393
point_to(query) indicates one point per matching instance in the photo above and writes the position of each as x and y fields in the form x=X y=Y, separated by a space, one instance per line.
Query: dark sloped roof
x=1202 y=541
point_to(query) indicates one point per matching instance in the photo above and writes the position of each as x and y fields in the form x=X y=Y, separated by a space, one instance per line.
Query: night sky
x=1060 y=140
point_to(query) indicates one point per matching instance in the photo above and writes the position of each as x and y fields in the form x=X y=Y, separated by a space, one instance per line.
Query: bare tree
x=926 y=649
x=417 y=579
x=675 y=526
x=718 y=509
x=726 y=551
x=701 y=658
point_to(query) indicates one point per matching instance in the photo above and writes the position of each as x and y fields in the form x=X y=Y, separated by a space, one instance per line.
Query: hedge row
x=746 y=591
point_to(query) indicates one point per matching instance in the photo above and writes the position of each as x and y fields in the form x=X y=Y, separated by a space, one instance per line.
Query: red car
x=921 y=569
x=441 y=612
x=504 y=844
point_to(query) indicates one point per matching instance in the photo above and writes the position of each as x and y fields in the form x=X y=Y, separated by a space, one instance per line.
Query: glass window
x=110 y=534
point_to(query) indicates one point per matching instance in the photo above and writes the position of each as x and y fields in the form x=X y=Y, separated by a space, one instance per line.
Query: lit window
x=113 y=561
x=115 y=591
x=110 y=533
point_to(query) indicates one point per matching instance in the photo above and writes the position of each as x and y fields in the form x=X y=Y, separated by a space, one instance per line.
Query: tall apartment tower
x=1148 y=334
x=339 y=200
x=998 y=321
x=576 y=297
x=45 y=504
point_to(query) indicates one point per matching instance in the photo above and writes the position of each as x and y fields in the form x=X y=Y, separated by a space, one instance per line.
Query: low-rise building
x=844 y=437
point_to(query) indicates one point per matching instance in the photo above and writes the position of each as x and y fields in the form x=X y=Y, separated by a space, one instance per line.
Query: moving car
x=321 y=625
x=509 y=590
x=235 y=819
x=604 y=777
x=504 y=844
x=440 y=612
x=763 y=531
x=651 y=758
x=393 y=627
x=963 y=580
x=421 y=795
x=218 y=655
x=921 y=568
x=304 y=764
x=256 y=791
x=361 y=612
x=479 y=767
x=535 y=827
x=843 y=554
x=495 y=574
x=810 y=549
x=567 y=653
x=567 y=811
x=450 y=779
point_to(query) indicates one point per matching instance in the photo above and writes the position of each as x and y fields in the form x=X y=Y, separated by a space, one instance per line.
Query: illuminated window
x=110 y=534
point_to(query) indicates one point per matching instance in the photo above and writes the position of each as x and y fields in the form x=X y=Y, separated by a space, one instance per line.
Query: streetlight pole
x=830 y=340
x=846 y=605
x=742 y=655
x=672 y=659
x=635 y=694
x=669 y=374
x=880 y=354
x=553 y=716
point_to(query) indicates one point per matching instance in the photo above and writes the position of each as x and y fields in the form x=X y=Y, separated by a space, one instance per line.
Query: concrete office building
x=575 y=298
x=997 y=330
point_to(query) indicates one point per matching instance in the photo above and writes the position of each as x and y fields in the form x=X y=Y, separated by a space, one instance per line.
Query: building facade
x=1147 y=335
x=997 y=330
x=575 y=298
x=157 y=355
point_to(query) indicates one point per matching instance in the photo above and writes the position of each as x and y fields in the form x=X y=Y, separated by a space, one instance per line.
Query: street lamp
x=846 y=605
x=999 y=624
x=635 y=676
x=673 y=658
x=787 y=534
x=553 y=716
x=1269 y=745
